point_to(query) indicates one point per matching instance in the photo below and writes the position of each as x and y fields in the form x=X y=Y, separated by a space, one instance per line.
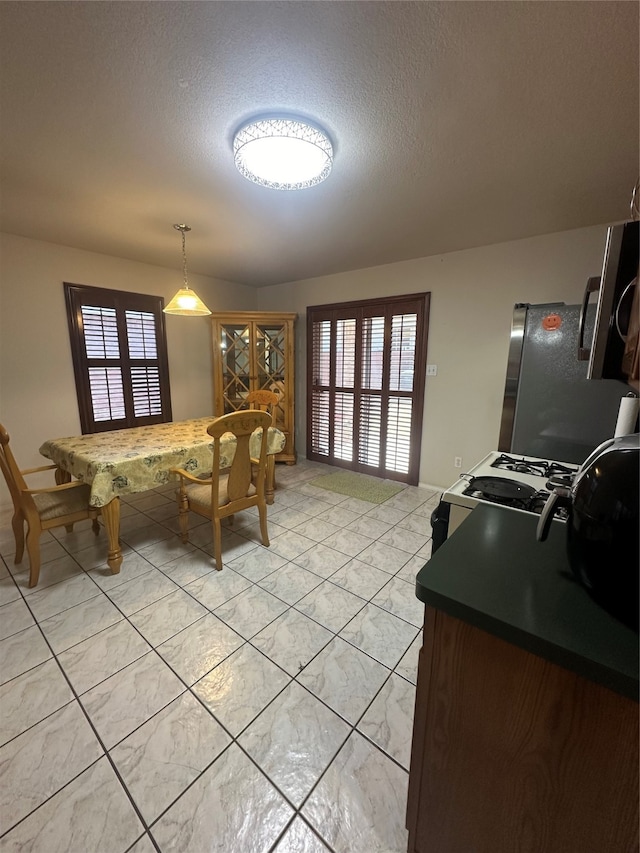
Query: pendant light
x=186 y=301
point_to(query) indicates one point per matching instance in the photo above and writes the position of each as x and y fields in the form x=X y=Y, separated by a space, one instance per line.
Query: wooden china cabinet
x=252 y=351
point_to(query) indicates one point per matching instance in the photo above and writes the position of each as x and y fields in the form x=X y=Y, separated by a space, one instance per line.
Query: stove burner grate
x=536 y=467
x=509 y=493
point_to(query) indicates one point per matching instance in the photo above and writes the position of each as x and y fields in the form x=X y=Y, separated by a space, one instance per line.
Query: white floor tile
x=37 y=763
x=293 y=741
x=299 y=838
x=30 y=698
x=100 y=656
x=215 y=809
x=14 y=617
x=240 y=687
x=61 y=596
x=257 y=643
x=345 y=678
x=80 y=622
x=167 y=617
x=408 y=664
x=388 y=721
x=197 y=649
x=321 y=560
x=129 y=698
x=92 y=813
x=292 y=640
x=161 y=758
x=359 y=805
x=399 y=598
x=290 y=583
x=380 y=634
x=360 y=578
x=250 y=611
x=22 y=651
x=215 y=588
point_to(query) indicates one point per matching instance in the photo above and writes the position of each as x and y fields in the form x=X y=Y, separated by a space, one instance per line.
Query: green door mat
x=358 y=486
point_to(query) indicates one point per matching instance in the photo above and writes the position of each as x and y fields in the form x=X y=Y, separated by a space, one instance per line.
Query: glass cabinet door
x=235 y=349
x=271 y=363
x=254 y=351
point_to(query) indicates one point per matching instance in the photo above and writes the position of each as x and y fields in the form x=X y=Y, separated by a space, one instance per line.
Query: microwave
x=608 y=353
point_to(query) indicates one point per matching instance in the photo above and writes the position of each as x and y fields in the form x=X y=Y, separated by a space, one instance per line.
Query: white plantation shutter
x=100 y=332
x=119 y=352
x=107 y=393
x=366 y=365
x=370 y=426
x=141 y=334
x=398 y=445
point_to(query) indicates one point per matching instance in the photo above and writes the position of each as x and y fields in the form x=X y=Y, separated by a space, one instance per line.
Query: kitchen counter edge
x=493 y=574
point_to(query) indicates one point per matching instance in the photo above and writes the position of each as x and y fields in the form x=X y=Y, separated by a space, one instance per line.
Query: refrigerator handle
x=593 y=286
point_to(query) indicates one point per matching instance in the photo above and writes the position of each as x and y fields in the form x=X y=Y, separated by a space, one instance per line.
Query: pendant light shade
x=186 y=302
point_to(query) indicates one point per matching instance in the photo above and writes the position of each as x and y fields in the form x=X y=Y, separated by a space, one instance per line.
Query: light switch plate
x=432 y=370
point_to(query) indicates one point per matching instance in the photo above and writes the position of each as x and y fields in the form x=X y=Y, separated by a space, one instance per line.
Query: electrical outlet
x=432 y=370
x=457 y=461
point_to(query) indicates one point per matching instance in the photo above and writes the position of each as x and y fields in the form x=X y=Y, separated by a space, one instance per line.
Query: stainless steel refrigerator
x=551 y=410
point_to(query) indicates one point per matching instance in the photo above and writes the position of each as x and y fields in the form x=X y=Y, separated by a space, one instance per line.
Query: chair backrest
x=242 y=424
x=15 y=480
x=263 y=400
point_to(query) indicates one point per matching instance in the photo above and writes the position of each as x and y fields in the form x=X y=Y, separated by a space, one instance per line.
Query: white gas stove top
x=532 y=473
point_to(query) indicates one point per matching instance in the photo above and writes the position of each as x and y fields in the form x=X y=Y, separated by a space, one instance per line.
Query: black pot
x=603 y=527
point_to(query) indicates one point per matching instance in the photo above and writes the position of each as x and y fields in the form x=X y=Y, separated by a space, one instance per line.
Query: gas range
x=518 y=483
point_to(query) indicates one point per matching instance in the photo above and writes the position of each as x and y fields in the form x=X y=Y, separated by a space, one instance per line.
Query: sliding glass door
x=366 y=376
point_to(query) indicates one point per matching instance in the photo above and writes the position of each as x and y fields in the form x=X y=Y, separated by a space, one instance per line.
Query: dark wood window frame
x=361 y=310
x=144 y=376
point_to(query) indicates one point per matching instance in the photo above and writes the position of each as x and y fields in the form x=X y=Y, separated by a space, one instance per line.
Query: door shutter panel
x=366 y=367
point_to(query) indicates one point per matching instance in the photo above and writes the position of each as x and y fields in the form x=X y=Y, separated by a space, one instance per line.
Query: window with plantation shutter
x=366 y=376
x=119 y=349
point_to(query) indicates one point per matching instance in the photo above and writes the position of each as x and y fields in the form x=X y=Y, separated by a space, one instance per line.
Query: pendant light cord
x=184 y=260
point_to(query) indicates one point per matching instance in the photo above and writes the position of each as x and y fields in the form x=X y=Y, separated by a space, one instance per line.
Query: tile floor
x=171 y=707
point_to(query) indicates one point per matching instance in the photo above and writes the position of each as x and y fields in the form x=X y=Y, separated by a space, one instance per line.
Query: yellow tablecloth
x=124 y=461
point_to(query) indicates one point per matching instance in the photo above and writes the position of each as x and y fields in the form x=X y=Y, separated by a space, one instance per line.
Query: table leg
x=111 y=518
x=271 y=478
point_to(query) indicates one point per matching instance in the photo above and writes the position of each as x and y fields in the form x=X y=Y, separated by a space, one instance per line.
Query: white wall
x=472 y=297
x=37 y=388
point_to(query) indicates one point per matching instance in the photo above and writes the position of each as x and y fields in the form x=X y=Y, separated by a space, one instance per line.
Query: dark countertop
x=493 y=574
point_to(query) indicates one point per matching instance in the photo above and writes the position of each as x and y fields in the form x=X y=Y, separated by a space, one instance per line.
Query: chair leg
x=262 y=510
x=33 y=550
x=17 y=523
x=69 y=528
x=217 y=542
x=270 y=478
x=183 y=515
x=95 y=525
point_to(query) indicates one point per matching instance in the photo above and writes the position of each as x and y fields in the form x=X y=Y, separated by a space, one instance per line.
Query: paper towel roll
x=627 y=416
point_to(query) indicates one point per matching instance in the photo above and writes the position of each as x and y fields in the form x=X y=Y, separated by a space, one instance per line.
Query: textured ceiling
x=454 y=124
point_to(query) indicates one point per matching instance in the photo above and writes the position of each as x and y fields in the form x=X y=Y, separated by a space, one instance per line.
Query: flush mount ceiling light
x=283 y=153
x=186 y=301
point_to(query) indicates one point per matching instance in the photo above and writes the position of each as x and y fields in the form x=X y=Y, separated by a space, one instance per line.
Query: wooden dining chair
x=42 y=509
x=238 y=487
x=266 y=401
x=263 y=400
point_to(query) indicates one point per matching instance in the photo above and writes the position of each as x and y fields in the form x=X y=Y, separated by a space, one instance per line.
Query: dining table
x=125 y=461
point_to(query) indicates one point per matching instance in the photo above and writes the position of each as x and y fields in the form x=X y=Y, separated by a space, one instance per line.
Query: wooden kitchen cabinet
x=525 y=734
x=514 y=754
x=253 y=351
